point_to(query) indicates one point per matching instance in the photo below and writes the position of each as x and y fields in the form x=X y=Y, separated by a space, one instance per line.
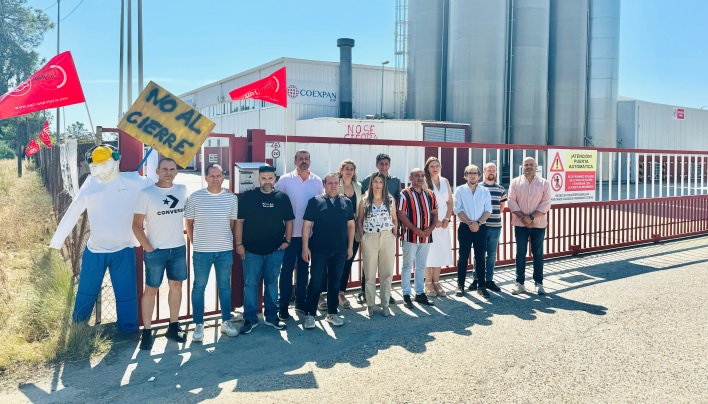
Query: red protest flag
x=271 y=89
x=32 y=147
x=54 y=85
x=44 y=136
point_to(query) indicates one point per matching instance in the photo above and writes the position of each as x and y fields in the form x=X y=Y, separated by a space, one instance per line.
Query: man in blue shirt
x=473 y=205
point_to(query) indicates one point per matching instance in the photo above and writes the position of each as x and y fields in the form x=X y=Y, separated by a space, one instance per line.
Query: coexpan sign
x=305 y=92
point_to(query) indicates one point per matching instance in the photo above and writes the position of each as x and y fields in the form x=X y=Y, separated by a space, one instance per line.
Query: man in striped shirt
x=494 y=225
x=418 y=214
x=210 y=218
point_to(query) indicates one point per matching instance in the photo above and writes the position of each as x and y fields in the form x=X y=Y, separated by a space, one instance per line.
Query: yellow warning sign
x=557 y=164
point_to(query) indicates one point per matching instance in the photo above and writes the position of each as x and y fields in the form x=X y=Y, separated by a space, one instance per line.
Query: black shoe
x=247 y=327
x=460 y=291
x=473 y=286
x=423 y=299
x=493 y=286
x=407 y=302
x=276 y=323
x=361 y=298
x=146 y=341
x=283 y=313
x=391 y=300
x=483 y=292
x=176 y=333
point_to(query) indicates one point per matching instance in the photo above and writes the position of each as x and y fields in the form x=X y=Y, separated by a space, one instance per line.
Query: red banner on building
x=272 y=89
x=32 y=147
x=53 y=86
x=45 y=135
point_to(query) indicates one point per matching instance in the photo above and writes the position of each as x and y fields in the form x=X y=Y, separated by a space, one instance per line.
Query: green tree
x=77 y=131
x=22 y=30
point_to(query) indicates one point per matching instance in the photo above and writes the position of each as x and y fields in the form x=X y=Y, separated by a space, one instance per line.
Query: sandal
x=430 y=289
x=439 y=289
x=343 y=302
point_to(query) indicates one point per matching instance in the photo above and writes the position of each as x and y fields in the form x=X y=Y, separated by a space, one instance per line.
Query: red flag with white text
x=45 y=135
x=32 y=147
x=271 y=89
x=54 y=85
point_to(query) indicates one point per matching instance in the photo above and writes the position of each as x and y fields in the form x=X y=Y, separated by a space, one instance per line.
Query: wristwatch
x=531 y=216
x=286 y=241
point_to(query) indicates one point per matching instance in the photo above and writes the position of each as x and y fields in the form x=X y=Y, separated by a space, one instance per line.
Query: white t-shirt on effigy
x=110 y=209
x=164 y=218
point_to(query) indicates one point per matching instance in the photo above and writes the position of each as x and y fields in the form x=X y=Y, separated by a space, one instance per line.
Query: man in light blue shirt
x=473 y=205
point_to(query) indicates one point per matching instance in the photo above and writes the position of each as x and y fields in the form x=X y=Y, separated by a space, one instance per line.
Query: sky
x=188 y=44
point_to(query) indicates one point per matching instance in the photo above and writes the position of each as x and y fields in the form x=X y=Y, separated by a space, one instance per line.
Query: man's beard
x=267 y=188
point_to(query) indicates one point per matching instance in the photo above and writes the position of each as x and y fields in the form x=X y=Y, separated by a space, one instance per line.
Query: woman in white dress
x=440 y=254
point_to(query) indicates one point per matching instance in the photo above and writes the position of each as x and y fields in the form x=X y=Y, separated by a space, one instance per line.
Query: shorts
x=174 y=260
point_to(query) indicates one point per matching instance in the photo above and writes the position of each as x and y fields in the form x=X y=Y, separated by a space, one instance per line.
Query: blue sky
x=663 y=43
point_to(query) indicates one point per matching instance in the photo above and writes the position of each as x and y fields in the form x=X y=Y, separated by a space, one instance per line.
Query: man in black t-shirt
x=330 y=217
x=263 y=231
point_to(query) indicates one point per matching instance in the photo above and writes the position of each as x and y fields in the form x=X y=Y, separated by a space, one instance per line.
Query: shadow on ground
x=271 y=360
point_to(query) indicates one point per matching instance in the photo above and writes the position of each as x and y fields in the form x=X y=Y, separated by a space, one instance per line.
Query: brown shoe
x=343 y=302
x=439 y=289
x=430 y=289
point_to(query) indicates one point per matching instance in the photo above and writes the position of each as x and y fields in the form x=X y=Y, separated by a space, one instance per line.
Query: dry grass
x=36 y=284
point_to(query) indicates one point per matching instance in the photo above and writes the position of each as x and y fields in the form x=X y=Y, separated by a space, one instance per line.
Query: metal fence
x=643 y=196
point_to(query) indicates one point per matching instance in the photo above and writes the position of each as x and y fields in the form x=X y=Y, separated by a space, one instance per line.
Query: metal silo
x=567 y=72
x=427 y=20
x=603 y=76
x=528 y=108
x=477 y=39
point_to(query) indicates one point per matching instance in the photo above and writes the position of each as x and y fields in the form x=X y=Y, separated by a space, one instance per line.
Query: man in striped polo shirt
x=418 y=214
x=494 y=225
x=210 y=218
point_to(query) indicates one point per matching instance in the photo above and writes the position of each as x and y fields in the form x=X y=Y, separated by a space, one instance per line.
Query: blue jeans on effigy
x=255 y=268
x=522 y=235
x=222 y=262
x=493 y=234
x=417 y=252
x=121 y=266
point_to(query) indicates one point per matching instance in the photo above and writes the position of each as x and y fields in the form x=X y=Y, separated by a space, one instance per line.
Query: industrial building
x=541 y=72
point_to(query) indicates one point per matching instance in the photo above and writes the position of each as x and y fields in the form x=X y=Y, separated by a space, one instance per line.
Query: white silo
x=567 y=72
x=427 y=60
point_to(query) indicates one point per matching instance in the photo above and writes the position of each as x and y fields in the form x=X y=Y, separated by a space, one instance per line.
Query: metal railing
x=643 y=196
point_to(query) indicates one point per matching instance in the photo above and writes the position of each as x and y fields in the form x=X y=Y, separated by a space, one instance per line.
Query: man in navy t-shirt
x=330 y=217
x=263 y=231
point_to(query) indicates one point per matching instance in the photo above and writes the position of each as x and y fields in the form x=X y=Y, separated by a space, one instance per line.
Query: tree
x=77 y=131
x=22 y=30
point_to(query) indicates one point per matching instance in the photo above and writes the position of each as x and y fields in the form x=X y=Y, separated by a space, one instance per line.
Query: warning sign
x=557 y=164
x=556 y=182
x=572 y=174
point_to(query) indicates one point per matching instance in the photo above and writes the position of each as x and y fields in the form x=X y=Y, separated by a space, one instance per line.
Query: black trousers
x=467 y=240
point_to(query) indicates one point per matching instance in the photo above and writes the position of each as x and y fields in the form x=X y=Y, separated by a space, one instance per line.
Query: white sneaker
x=540 y=290
x=198 y=334
x=335 y=320
x=228 y=328
x=519 y=288
x=309 y=322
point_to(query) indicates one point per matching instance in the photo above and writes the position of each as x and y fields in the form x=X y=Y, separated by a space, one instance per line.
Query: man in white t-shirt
x=210 y=218
x=160 y=207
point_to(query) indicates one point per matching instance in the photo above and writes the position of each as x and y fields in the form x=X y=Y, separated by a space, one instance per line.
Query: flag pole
x=89 y=116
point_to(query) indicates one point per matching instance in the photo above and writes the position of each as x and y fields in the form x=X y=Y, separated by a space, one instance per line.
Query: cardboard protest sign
x=167 y=124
